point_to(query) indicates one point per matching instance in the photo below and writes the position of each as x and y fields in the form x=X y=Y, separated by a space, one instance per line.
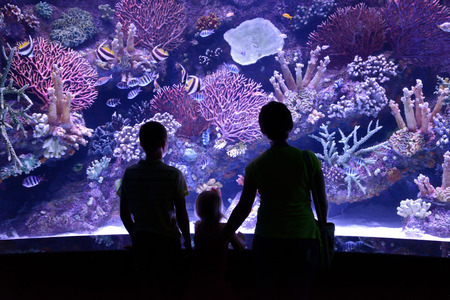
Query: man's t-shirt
x=281 y=178
x=150 y=188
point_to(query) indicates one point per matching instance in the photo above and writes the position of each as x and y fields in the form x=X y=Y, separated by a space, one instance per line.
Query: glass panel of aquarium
x=367 y=83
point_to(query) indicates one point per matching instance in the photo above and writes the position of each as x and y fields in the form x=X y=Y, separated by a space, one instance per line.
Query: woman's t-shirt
x=281 y=178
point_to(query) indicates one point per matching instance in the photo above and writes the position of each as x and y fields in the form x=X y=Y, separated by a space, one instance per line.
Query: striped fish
x=194 y=85
x=147 y=78
x=32 y=181
x=158 y=54
x=113 y=102
x=133 y=82
x=232 y=68
x=122 y=85
x=157 y=87
x=104 y=53
x=206 y=32
x=26 y=48
x=133 y=94
x=198 y=97
x=184 y=75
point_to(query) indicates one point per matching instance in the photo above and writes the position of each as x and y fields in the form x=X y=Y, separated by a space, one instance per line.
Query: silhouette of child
x=210 y=252
x=153 y=209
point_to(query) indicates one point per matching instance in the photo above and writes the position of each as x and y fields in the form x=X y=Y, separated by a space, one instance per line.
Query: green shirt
x=281 y=178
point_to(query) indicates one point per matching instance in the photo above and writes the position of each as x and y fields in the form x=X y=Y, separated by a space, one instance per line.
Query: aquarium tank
x=367 y=83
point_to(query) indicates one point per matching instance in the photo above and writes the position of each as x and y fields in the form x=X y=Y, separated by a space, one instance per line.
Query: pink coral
x=350 y=31
x=232 y=102
x=158 y=22
x=178 y=103
x=78 y=76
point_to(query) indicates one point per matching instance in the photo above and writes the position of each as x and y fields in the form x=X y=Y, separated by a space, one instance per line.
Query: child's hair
x=152 y=135
x=208 y=207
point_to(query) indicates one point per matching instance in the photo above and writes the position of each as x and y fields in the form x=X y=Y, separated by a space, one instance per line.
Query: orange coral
x=211 y=21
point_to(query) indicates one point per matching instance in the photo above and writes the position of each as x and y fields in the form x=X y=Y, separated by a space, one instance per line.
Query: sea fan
x=350 y=31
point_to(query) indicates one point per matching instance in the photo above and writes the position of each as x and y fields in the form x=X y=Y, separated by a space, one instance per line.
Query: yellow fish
x=286 y=15
x=230 y=14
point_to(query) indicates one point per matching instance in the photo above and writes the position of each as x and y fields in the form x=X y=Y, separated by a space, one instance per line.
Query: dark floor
x=108 y=275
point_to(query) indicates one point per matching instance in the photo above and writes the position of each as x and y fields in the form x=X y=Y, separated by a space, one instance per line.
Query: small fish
x=103 y=80
x=283 y=36
x=156 y=85
x=325 y=47
x=258 y=94
x=133 y=82
x=122 y=85
x=104 y=53
x=113 y=102
x=230 y=14
x=350 y=171
x=194 y=42
x=198 y=97
x=147 y=78
x=26 y=48
x=206 y=32
x=184 y=75
x=33 y=180
x=158 y=54
x=360 y=161
x=288 y=16
x=445 y=26
x=194 y=85
x=232 y=68
x=133 y=94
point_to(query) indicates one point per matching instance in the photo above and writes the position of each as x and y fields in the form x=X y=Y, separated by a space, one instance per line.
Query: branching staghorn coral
x=10 y=116
x=332 y=158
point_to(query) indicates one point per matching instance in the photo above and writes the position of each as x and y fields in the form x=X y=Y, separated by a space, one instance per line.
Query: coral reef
x=312 y=14
x=127 y=140
x=60 y=125
x=299 y=94
x=377 y=67
x=44 y=10
x=211 y=184
x=96 y=168
x=351 y=161
x=77 y=74
x=211 y=21
x=232 y=104
x=413 y=33
x=14 y=23
x=367 y=98
x=28 y=162
x=350 y=31
x=73 y=28
x=413 y=208
x=13 y=110
x=107 y=12
x=176 y=101
x=411 y=136
x=158 y=22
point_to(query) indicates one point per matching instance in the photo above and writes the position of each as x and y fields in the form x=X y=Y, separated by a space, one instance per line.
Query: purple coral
x=232 y=102
x=413 y=31
x=350 y=31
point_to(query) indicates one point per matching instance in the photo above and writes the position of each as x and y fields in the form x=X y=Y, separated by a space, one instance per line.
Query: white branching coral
x=330 y=154
x=236 y=149
x=209 y=185
x=414 y=208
